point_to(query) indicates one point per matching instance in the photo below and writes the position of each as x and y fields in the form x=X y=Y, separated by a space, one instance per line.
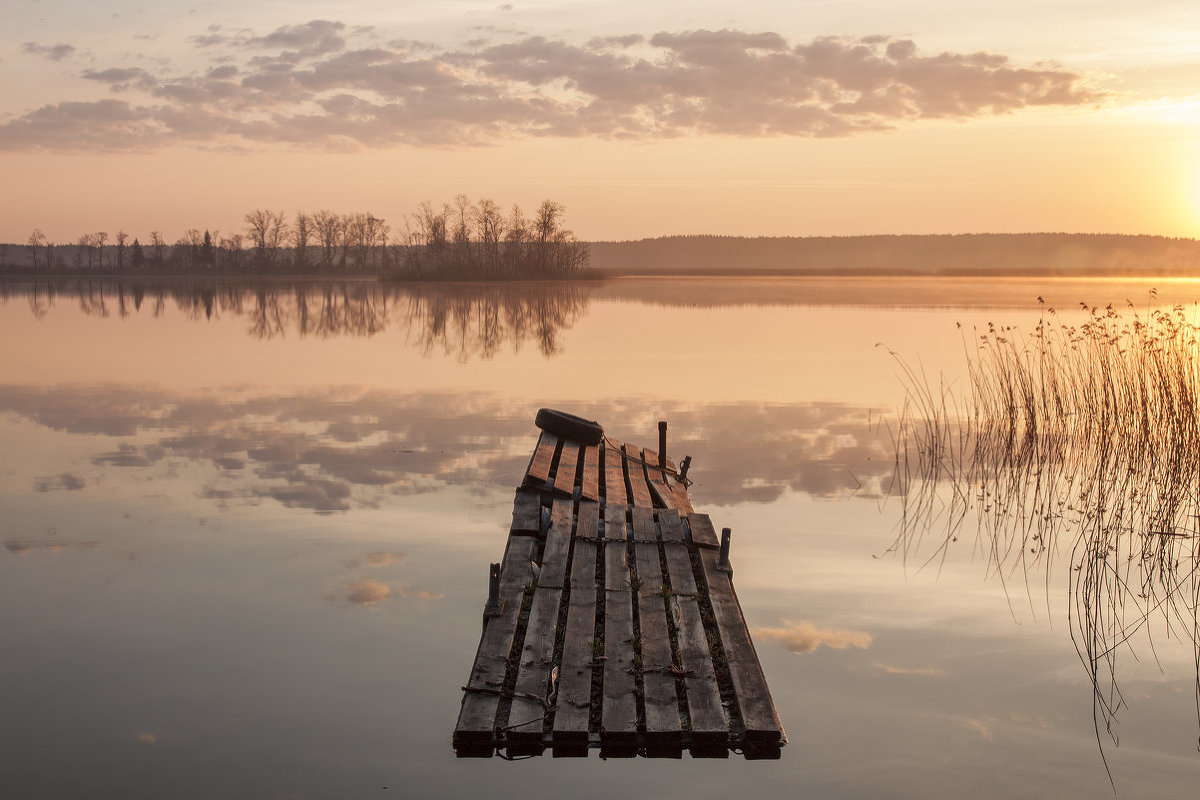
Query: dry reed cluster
x=1080 y=438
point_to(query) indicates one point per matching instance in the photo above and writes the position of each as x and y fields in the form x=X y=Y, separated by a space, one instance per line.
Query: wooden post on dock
x=662 y=444
x=492 y=609
x=723 y=562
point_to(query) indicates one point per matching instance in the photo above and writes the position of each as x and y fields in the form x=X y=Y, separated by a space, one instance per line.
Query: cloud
x=313 y=85
x=923 y=671
x=54 y=52
x=367 y=592
x=308 y=39
x=120 y=80
x=20 y=547
x=805 y=637
x=64 y=482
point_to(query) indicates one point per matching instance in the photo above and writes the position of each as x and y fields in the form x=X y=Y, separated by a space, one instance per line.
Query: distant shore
x=959 y=255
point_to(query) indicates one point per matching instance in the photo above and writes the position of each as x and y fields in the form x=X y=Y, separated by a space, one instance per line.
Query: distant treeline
x=463 y=241
x=966 y=254
x=474 y=241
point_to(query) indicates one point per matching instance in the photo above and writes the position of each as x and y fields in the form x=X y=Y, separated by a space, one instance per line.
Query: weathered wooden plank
x=530 y=695
x=679 y=561
x=578 y=656
x=683 y=503
x=658 y=682
x=527 y=513
x=558 y=543
x=664 y=493
x=703 y=533
x=564 y=479
x=759 y=716
x=614 y=474
x=637 y=478
x=619 y=710
x=587 y=525
x=477 y=718
x=590 y=485
x=709 y=726
x=659 y=490
x=543 y=456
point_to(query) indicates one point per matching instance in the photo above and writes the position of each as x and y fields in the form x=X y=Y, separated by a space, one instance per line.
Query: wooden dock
x=612 y=622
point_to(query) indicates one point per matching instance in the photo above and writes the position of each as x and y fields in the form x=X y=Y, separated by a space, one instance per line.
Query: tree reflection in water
x=1078 y=439
x=465 y=320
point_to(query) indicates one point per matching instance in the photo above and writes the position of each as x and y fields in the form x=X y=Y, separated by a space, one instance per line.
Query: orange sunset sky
x=800 y=118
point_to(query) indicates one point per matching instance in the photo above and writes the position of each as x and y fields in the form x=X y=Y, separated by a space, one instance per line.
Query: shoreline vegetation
x=465 y=241
x=462 y=241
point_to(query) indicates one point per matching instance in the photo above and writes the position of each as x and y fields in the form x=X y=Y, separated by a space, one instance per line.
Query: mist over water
x=247 y=530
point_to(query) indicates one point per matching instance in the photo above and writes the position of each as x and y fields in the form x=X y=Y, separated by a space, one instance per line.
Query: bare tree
x=122 y=237
x=302 y=231
x=231 y=251
x=83 y=249
x=516 y=241
x=98 y=239
x=328 y=227
x=268 y=230
x=490 y=225
x=464 y=214
x=37 y=239
x=159 y=248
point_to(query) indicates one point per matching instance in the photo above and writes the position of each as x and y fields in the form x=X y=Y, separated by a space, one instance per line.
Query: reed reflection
x=464 y=321
x=1078 y=439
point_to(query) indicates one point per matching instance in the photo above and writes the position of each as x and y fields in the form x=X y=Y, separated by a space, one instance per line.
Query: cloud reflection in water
x=335 y=452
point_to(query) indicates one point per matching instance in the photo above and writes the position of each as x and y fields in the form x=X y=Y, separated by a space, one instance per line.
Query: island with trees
x=459 y=241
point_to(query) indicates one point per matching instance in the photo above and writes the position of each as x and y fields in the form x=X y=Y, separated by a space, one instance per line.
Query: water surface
x=247 y=531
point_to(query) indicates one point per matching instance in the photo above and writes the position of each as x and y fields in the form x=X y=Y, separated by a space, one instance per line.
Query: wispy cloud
x=66 y=482
x=319 y=85
x=54 y=52
x=922 y=671
x=806 y=637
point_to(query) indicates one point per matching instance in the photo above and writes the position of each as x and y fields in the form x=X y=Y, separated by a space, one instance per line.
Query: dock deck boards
x=653 y=657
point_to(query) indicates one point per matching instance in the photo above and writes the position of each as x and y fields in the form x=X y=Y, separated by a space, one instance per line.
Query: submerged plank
x=658 y=681
x=614 y=474
x=477 y=718
x=543 y=457
x=759 y=716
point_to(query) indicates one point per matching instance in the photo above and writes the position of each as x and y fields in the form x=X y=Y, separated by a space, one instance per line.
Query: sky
x=796 y=118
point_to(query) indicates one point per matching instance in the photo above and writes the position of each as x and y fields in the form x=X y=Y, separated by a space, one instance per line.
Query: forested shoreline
x=1017 y=254
x=467 y=241
x=456 y=241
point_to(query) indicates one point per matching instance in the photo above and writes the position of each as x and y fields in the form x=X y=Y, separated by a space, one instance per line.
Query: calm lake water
x=247 y=531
